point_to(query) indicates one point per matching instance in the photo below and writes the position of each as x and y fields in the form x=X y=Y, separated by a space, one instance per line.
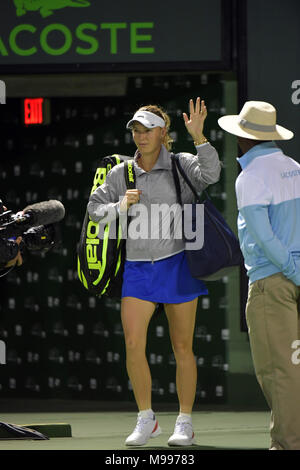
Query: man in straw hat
x=268 y=198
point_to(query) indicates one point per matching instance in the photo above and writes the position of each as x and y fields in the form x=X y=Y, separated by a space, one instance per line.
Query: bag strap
x=130 y=180
x=129 y=174
x=176 y=178
x=175 y=159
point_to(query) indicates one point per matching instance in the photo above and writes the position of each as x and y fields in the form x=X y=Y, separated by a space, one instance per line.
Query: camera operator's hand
x=17 y=260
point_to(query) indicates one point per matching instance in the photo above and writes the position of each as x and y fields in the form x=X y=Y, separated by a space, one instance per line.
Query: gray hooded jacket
x=155 y=230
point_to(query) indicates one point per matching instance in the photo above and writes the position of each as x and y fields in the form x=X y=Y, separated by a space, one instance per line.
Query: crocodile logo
x=46 y=7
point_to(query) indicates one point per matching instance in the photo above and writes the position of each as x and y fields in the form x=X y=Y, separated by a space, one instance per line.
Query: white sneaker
x=145 y=429
x=183 y=433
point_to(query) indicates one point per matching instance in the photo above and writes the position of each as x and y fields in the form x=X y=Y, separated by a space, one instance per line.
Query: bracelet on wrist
x=200 y=142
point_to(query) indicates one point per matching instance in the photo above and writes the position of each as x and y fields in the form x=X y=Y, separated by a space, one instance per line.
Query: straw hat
x=257 y=120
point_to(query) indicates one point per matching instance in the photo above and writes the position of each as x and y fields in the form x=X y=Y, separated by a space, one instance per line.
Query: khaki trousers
x=273 y=319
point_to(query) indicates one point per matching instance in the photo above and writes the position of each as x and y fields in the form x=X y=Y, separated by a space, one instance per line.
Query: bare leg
x=136 y=315
x=181 y=318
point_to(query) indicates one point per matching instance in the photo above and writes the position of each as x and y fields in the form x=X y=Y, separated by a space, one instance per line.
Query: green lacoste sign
x=46 y=7
x=79 y=32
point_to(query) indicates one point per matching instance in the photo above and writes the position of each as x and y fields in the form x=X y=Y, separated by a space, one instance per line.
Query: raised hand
x=195 y=122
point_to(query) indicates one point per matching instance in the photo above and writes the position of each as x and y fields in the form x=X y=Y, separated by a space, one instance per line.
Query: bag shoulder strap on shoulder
x=176 y=164
x=176 y=178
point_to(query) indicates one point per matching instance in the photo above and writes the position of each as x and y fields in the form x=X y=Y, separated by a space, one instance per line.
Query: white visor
x=146 y=118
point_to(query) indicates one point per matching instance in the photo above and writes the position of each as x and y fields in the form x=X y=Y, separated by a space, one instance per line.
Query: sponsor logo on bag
x=99 y=178
x=92 y=241
x=130 y=173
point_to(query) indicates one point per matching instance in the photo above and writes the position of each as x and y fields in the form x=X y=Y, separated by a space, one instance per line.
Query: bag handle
x=175 y=159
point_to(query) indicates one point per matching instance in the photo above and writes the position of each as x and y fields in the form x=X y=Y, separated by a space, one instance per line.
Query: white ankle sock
x=146 y=413
x=186 y=416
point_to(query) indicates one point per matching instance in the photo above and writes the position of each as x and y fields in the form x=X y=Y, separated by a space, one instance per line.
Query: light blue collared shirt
x=268 y=198
x=257 y=151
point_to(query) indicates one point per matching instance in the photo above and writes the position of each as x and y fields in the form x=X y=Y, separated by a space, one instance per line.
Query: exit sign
x=36 y=111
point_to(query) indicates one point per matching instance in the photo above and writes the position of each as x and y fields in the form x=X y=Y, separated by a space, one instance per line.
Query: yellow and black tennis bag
x=100 y=260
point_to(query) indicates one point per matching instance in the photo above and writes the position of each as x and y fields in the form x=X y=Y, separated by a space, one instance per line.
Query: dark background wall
x=63 y=342
x=273 y=61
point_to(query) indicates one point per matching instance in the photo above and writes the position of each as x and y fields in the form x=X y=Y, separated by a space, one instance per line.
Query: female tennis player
x=156 y=269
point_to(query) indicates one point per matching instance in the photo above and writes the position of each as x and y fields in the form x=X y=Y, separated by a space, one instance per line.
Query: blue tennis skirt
x=164 y=281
